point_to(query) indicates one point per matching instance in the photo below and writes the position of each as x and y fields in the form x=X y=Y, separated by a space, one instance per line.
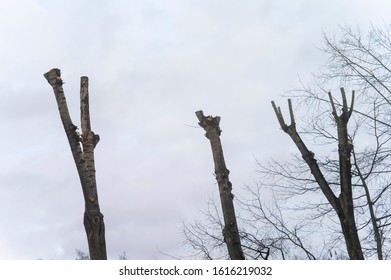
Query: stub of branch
x=334 y=111
x=344 y=102
x=280 y=117
x=346 y=112
x=54 y=77
x=351 y=104
x=208 y=122
x=200 y=115
x=291 y=113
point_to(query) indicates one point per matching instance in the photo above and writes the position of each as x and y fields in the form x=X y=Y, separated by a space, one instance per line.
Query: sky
x=151 y=64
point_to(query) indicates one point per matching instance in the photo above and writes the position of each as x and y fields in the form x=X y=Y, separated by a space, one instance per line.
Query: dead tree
x=230 y=231
x=343 y=204
x=82 y=147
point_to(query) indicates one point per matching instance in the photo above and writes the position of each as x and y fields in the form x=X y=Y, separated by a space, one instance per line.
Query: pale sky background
x=151 y=65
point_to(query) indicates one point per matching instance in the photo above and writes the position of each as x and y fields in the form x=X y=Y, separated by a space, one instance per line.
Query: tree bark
x=345 y=198
x=83 y=156
x=343 y=205
x=230 y=231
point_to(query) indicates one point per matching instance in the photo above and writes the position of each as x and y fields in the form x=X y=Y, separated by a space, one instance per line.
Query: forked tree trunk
x=343 y=204
x=82 y=147
x=230 y=231
x=346 y=213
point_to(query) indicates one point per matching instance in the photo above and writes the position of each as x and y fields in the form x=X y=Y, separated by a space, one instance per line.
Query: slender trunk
x=345 y=198
x=230 y=231
x=372 y=214
x=84 y=160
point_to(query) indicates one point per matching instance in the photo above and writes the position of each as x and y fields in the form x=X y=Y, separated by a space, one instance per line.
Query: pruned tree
x=82 y=147
x=362 y=61
x=343 y=203
x=230 y=230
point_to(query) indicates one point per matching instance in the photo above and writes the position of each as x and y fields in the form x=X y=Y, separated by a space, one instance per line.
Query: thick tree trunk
x=84 y=160
x=230 y=231
x=343 y=205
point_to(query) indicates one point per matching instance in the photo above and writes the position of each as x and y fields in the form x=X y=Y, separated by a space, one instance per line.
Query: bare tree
x=343 y=204
x=82 y=147
x=81 y=256
x=204 y=237
x=360 y=61
x=263 y=230
x=123 y=256
x=230 y=230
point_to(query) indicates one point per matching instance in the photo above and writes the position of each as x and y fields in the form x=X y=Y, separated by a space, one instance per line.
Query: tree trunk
x=346 y=215
x=230 y=231
x=84 y=160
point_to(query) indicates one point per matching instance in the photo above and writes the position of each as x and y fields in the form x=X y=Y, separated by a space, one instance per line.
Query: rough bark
x=83 y=156
x=343 y=204
x=230 y=231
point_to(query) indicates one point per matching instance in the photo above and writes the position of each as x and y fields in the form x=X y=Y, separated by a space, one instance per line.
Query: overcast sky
x=151 y=65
